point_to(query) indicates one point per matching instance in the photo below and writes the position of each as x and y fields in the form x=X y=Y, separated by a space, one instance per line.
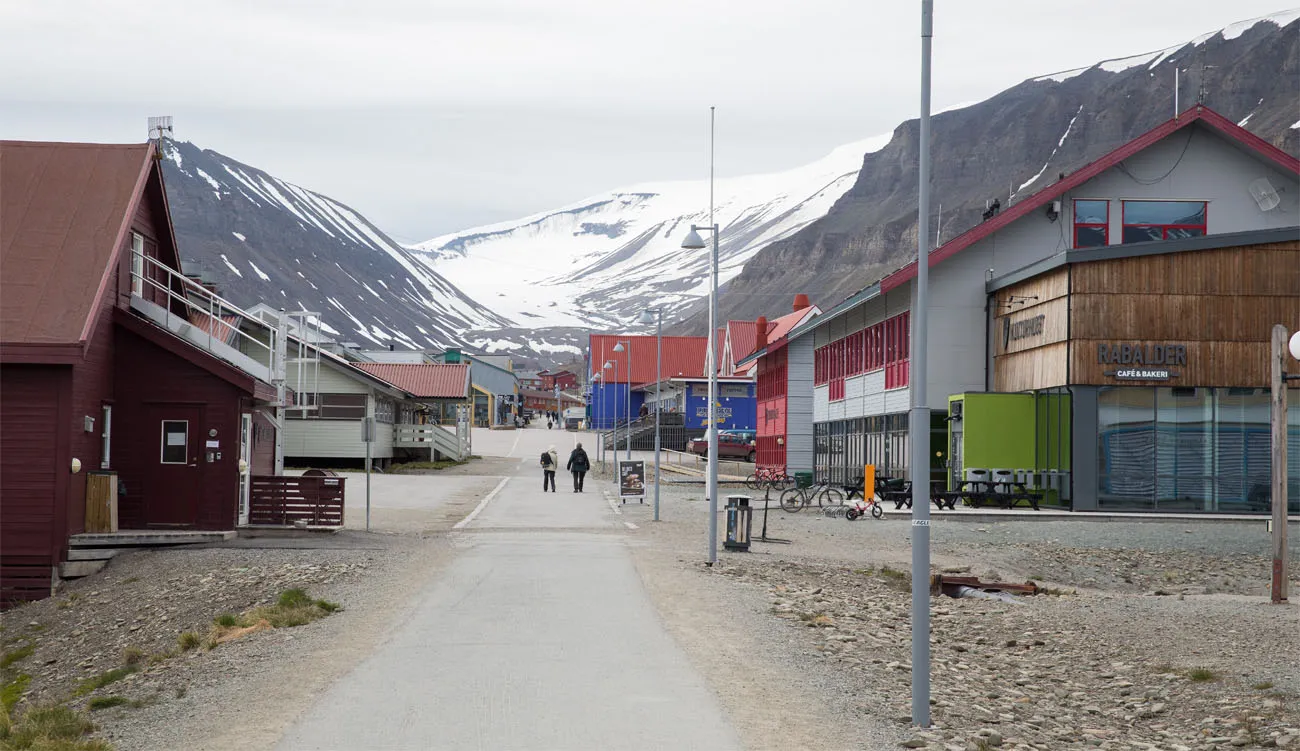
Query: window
x=175 y=441
x=384 y=411
x=896 y=363
x=1091 y=223
x=332 y=407
x=137 y=263
x=1163 y=220
x=104 y=457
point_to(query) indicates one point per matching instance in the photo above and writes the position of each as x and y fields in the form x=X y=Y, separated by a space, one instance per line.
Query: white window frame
x=137 y=264
x=105 y=460
x=162 y=444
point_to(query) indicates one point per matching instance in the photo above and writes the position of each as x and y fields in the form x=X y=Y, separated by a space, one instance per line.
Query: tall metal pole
x=712 y=487
x=659 y=361
x=629 y=400
x=920 y=418
x=1277 y=367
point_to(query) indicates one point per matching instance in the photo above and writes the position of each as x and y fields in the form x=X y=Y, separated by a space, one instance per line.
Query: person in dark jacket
x=578 y=464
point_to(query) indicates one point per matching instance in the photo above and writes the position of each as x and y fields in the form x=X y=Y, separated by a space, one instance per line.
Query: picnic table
x=900 y=492
x=994 y=492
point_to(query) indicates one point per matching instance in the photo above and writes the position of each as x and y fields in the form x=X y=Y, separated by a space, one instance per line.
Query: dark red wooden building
x=111 y=358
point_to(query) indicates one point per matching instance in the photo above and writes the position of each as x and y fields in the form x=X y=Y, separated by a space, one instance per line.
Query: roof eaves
x=96 y=308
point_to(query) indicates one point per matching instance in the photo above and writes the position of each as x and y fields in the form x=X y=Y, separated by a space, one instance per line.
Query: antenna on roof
x=1200 y=93
x=159 y=128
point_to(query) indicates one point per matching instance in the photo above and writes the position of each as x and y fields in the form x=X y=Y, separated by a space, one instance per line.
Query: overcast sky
x=431 y=116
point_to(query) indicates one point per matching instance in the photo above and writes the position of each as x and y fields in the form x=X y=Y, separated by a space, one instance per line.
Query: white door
x=245 y=464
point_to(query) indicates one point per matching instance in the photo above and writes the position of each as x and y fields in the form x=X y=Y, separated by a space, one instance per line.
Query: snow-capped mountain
x=601 y=260
x=262 y=239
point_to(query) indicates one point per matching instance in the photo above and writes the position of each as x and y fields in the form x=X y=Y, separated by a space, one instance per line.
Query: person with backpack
x=550 y=460
x=579 y=464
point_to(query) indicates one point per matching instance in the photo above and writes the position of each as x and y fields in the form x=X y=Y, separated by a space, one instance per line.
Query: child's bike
x=860 y=507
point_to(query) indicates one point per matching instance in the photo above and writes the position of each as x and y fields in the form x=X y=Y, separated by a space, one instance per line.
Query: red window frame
x=897 y=349
x=1164 y=228
x=1105 y=228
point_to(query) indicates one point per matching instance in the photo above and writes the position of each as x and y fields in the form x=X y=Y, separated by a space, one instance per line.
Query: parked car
x=736 y=445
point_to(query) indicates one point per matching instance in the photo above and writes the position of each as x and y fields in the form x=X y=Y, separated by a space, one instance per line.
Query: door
x=174 y=480
x=954 y=452
x=245 y=463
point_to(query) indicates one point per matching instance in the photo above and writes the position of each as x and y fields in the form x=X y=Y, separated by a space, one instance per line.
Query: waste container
x=740 y=520
x=803 y=479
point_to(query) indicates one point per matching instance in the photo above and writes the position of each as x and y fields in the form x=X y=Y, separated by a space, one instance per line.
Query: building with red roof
x=1102 y=339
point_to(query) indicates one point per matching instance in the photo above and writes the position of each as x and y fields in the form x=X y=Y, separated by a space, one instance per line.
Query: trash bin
x=803 y=479
x=740 y=520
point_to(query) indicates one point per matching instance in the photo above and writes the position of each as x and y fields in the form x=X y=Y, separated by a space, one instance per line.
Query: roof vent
x=801 y=302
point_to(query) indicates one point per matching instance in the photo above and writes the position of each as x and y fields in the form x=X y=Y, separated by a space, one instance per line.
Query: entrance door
x=174 y=481
x=245 y=464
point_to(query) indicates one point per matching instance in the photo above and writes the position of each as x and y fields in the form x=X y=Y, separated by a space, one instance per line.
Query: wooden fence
x=284 y=501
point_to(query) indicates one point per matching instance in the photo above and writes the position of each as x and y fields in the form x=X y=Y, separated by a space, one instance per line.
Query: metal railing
x=224 y=329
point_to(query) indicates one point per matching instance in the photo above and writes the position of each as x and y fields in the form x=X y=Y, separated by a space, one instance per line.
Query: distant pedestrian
x=579 y=464
x=644 y=411
x=550 y=461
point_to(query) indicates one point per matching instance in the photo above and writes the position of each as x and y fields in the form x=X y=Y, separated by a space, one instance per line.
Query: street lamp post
x=613 y=402
x=627 y=347
x=658 y=318
x=693 y=241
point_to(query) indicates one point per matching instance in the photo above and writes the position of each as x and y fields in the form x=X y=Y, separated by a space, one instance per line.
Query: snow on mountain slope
x=262 y=239
x=600 y=261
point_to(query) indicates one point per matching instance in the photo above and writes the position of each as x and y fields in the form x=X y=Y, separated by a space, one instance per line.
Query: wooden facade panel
x=1031 y=326
x=1048 y=286
x=1038 y=368
x=1272 y=269
x=1221 y=364
x=1178 y=317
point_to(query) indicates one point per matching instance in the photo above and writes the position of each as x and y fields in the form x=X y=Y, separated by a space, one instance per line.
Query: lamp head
x=693 y=241
x=619 y=347
x=608 y=364
x=646 y=317
x=1294 y=345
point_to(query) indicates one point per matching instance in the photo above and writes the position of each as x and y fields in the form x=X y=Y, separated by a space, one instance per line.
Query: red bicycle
x=773 y=477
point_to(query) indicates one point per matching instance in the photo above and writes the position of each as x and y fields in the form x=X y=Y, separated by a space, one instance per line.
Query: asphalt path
x=539 y=635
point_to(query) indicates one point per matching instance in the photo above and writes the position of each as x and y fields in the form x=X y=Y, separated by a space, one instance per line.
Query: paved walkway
x=538 y=636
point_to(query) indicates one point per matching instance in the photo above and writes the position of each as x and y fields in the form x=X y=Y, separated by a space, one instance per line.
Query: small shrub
x=94 y=683
x=227 y=620
x=13 y=690
x=107 y=702
x=1264 y=686
x=16 y=654
x=53 y=728
x=294 y=598
x=1202 y=675
x=327 y=606
x=188 y=640
x=133 y=656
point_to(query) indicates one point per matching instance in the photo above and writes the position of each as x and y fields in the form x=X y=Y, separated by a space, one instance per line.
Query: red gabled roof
x=67 y=208
x=783 y=325
x=423 y=380
x=1196 y=114
x=744 y=338
x=683 y=355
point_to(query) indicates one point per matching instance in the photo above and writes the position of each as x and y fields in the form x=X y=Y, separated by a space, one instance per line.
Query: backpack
x=546 y=458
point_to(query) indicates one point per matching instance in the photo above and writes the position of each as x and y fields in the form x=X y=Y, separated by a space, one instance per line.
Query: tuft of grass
x=1163 y=668
x=1264 y=686
x=188 y=640
x=294 y=598
x=13 y=690
x=130 y=580
x=133 y=656
x=399 y=468
x=227 y=620
x=1202 y=675
x=94 y=683
x=51 y=728
x=18 y=653
x=899 y=580
x=328 y=607
x=107 y=702
x=180 y=692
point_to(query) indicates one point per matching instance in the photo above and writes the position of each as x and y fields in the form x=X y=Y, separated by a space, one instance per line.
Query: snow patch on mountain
x=597 y=261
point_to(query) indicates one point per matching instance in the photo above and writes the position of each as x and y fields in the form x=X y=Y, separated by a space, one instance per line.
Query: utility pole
x=919 y=424
x=1277 y=366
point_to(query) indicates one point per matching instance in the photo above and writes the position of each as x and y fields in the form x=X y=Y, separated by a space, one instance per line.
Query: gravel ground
x=1106 y=665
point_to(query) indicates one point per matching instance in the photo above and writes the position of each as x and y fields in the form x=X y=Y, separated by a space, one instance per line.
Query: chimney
x=801 y=302
x=392 y=347
x=762 y=333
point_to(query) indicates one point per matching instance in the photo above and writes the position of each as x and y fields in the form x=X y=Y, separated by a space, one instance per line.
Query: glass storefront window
x=1189 y=449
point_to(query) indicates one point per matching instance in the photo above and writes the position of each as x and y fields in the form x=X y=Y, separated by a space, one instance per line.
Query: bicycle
x=763 y=477
x=795 y=499
x=861 y=507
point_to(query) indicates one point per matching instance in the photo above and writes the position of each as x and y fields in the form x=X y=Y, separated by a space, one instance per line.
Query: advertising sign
x=631 y=479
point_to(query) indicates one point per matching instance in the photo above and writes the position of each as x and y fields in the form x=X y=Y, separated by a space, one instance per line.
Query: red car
x=730 y=445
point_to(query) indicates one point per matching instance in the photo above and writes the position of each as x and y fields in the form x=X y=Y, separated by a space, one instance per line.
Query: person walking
x=550 y=462
x=579 y=464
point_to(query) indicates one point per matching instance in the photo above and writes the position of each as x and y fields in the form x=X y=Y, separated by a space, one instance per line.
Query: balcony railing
x=202 y=317
x=432 y=437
